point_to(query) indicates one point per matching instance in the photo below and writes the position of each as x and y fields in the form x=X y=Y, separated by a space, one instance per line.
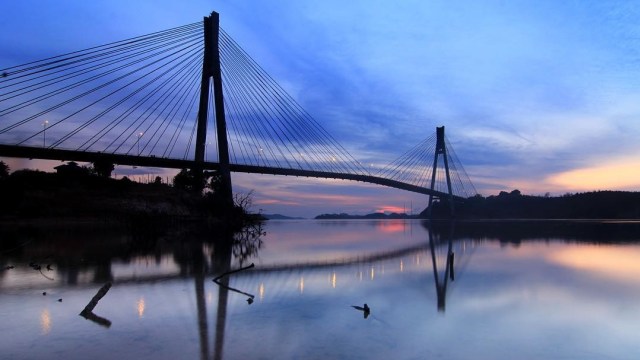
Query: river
x=516 y=290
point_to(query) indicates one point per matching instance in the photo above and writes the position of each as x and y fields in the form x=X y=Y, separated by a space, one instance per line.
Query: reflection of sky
x=539 y=96
x=327 y=240
x=541 y=299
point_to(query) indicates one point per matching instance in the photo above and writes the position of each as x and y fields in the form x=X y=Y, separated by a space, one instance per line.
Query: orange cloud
x=390 y=209
x=616 y=175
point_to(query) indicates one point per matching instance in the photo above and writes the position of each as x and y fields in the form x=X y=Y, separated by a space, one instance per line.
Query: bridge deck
x=152 y=161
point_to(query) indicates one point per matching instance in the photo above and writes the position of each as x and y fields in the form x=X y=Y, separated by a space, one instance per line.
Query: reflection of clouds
x=620 y=263
x=308 y=240
x=392 y=226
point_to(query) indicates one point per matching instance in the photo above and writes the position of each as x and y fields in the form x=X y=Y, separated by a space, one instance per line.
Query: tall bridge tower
x=211 y=72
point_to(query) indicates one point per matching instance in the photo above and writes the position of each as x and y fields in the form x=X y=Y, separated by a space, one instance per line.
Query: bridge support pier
x=211 y=71
x=441 y=149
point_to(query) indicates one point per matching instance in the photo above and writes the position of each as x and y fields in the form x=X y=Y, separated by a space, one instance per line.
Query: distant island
x=515 y=205
x=367 y=216
x=280 y=217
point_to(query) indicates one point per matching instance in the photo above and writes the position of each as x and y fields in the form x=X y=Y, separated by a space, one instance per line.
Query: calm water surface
x=507 y=292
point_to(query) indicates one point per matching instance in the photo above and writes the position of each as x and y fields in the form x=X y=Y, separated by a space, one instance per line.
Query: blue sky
x=542 y=96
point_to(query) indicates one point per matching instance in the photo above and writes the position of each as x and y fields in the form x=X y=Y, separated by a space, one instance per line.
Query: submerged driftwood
x=88 y=314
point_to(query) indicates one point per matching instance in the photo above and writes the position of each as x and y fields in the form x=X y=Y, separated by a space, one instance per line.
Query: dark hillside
x=514 y=205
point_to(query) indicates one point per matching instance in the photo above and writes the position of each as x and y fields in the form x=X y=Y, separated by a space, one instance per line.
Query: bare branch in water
x=88 y=314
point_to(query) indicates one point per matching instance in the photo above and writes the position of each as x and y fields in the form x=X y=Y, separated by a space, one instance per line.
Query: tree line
x=515 y=205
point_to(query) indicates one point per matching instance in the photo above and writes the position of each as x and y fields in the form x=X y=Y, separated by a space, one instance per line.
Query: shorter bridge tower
x=441 y=149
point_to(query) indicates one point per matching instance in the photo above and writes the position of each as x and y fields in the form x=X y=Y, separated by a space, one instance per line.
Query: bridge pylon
x=211 y=72
x=441 y=149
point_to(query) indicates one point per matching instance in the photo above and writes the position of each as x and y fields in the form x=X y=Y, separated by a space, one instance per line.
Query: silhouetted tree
x=157 y=181
x=103 y=168
x=215 y=183
x=4 y=170
x=184 y=180
x=72 y=169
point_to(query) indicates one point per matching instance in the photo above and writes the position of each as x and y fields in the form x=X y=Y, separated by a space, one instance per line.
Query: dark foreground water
x=509 y=291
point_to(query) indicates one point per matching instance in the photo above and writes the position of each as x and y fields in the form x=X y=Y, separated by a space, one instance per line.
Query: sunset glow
x=391 y=209
x=619 y=175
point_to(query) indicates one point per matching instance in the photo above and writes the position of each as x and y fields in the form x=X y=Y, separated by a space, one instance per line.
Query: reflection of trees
x=247 y=242
x=74 y=249
x=517 y=231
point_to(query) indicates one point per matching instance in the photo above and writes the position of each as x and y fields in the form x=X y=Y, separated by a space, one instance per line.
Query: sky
x=540 y=96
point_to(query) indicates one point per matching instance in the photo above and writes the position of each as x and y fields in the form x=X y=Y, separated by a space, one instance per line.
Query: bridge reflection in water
x=282 y=278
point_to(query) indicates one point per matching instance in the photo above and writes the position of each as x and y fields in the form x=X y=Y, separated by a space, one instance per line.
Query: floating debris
x=365 y=309
x=233 y=271
x=59 y=300
x=217 y=281
x=44 y=293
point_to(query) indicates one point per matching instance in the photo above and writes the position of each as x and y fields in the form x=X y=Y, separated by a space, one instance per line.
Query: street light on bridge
x=138 y=141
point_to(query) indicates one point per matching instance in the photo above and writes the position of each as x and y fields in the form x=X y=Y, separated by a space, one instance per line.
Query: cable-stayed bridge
x=191 y=97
